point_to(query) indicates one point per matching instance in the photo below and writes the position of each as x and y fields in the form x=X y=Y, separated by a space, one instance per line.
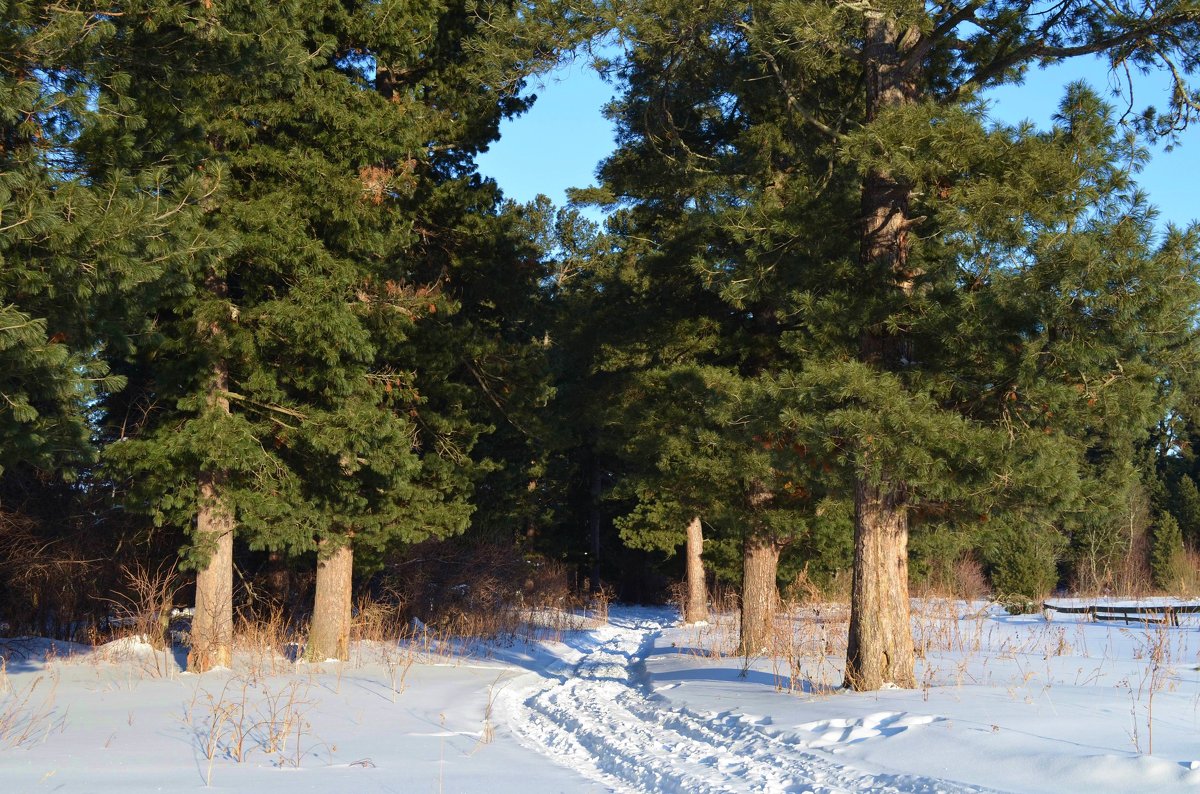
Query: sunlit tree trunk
x=329 y=632
x=760 y=596
x=695 y=608
x=212 y=621
x=880 y=648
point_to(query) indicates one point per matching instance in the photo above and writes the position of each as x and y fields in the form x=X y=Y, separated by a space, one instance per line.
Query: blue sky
x=562 y=139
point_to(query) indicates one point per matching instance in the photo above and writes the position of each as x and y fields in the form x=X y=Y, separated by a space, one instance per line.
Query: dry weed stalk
x=1154 y=647
x=247 y=715
x=144 y=610
x=807 y=643
x=24 y=717
x=937 y=628
x=488 y=733
x=265 y=640
x=397 y=660
x=808 y=640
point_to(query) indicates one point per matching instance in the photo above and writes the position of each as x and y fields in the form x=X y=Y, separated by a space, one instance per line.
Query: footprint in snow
x=830 y=733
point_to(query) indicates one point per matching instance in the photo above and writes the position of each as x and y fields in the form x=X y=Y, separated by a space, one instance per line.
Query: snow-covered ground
x=640 y=703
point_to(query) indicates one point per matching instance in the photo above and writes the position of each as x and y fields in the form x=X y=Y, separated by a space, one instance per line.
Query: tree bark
x=760 y=567
x=880 y=650
x=212 y=618
x=880 y=647
x=695 y=608
x=329 y=632
x=212 y=621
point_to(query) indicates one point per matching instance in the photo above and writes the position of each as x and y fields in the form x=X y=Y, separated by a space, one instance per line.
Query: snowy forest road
x=600 y=719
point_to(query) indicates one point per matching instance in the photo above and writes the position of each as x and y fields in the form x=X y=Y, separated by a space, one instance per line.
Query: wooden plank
x=1129 y=618
x=1168 y=613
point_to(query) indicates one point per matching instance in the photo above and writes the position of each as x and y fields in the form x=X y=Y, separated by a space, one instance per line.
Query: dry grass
x=142 y=609
x=403 y=622
x=27 y=714
x=446 y=597
x=267 y=641
x=249 y=715
x=806 y=647
x=956 y=640
x=810 y=644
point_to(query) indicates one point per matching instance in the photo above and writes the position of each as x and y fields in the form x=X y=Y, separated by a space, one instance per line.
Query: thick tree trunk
x=212 y=621
x=880 y=648
x=695 y=608
x=760 y=567
x=329 y=632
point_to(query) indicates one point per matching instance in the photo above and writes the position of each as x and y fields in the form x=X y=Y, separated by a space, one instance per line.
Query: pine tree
x=313 y=384
x=708 y=157
x=1167 y=561
x=896 y=210
x=1186 y=507
x=910 y=56
x=79 y=240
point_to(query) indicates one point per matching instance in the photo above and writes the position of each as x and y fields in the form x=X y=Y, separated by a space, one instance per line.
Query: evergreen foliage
x=245 y=253
x=353 y=300
x=1186 y=508
x=78 y=242
x=1022 y=564
x=712 y=214
x=1167 y=560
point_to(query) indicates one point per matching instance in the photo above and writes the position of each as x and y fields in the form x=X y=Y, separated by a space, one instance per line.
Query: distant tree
x=1186 y=508
x=1167 y=560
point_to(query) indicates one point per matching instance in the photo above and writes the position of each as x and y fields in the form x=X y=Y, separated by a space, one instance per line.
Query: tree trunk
x=594 y=518
x=386 y=82
x=880 y=647
x=329 y=632
x=212 y=619
x=695 y=608
x=212 y=622
x=760 y=566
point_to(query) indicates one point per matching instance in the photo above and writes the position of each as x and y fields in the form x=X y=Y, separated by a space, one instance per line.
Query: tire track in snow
x=598 y=721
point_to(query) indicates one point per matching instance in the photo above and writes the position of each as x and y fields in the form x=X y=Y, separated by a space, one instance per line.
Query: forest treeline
x=262 y=319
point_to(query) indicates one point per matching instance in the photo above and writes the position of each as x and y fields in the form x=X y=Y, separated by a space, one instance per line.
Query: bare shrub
x=248 y=715
x=725 y=599
x=1191 y=580
x=468 y=590
x=809 y=644
x=46 y=583
x=970 y=582
x=380 y=619
x=143 y=607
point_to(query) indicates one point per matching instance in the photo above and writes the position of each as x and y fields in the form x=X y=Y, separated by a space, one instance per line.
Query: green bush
x=1022 y=564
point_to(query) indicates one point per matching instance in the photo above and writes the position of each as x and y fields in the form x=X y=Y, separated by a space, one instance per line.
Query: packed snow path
x=599 y=719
